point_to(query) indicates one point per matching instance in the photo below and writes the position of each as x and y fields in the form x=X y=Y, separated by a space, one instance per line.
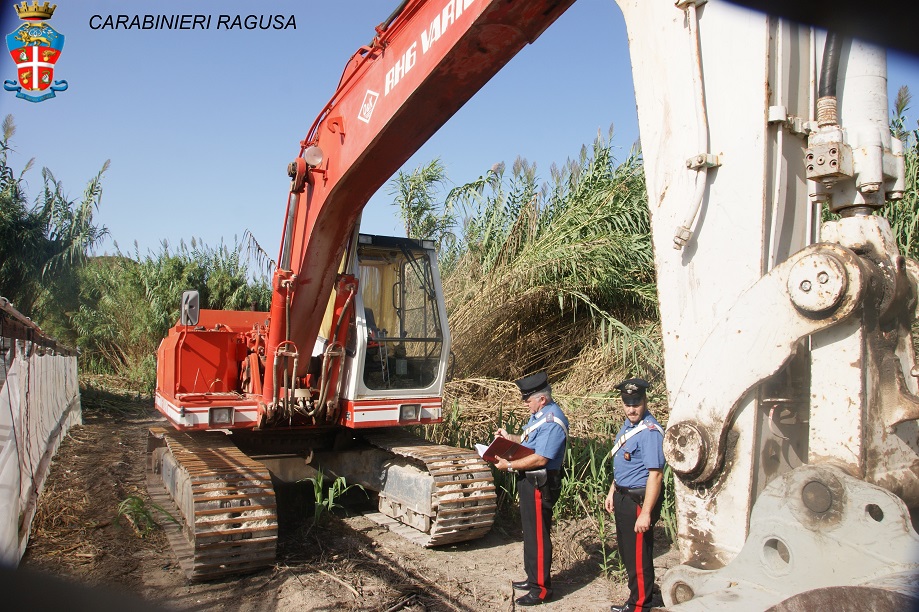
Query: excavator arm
x=425 y=62
x=789 y=359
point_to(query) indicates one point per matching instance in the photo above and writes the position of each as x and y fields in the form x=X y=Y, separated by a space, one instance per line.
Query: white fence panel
x=39 y=402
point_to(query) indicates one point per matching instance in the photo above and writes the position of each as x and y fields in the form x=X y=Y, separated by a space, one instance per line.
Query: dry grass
x=99 y=464
x=583 y=386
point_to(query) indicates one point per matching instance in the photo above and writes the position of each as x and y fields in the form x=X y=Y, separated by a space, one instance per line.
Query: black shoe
x=531 y=599
x=521 y=585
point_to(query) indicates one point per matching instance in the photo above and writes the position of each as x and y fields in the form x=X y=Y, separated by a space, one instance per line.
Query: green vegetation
x=44 y=244
x=540 y=273
x=127 y=304
x=904 y=214
x=140 y=515
x=416 y=196
x=327 y=495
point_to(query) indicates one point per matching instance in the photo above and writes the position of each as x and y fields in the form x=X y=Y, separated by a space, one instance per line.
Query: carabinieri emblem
x=35 y=47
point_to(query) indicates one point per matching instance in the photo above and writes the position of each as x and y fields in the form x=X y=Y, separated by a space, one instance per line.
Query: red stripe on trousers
x=540 y=557
x=639 y=564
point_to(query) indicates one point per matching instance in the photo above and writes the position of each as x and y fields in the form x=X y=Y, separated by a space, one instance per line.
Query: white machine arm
x=788 y=350
x=812 y=290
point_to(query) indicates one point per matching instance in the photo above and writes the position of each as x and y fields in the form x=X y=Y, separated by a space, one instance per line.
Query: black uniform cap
x=633 y=390
x=529 y=385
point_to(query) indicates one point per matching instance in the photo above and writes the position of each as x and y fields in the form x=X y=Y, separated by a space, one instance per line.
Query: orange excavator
x=789 y=364
x=356 y=344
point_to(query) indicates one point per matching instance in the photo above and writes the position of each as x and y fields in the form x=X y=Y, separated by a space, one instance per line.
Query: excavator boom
x=423 y=65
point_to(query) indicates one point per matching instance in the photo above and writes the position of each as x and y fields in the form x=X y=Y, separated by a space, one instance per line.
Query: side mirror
x=190 y=308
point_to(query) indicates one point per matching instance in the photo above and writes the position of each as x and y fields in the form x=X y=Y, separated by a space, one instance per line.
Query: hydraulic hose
x=685 y=231
x=827 y=113
x=328 y=355
x=829 y=69
x=394 y=14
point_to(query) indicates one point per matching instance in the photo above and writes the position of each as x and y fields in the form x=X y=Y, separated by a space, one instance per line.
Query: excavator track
x=222 y=501
x=463 y=499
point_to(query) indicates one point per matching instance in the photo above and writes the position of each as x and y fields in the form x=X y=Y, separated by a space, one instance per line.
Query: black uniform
x=636 y=549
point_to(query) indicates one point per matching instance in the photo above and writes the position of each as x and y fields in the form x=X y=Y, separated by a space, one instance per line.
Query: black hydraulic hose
x=827 y=113
x=829 y=70
x=394 y=14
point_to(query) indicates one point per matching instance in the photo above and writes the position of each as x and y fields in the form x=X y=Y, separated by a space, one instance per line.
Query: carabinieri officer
x=636 y=495
x=539 y=482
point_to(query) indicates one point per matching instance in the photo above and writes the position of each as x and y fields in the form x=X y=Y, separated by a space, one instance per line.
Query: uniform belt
x=636 y=491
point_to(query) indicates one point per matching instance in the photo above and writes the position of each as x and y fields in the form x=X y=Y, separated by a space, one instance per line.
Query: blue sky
x=199 y=125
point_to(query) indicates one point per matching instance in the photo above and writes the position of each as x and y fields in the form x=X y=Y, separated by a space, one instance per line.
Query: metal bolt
x=817 y=283
x=869 y=188
x=820 y=160
x=817 y=497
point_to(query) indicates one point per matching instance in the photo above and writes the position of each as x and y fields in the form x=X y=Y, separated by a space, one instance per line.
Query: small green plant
x=326 y=496
x=610 y=562
x=447 y=431
x=668 y=510
x=140 y=515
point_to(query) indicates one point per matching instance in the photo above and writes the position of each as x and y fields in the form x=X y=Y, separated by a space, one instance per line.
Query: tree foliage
x=43 y=244
x=416 y=196
x=128 y=303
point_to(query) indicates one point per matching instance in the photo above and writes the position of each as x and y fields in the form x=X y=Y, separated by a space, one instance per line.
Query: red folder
x=505 y=449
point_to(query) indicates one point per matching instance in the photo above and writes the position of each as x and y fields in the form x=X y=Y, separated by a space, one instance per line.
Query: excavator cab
x=400 y=342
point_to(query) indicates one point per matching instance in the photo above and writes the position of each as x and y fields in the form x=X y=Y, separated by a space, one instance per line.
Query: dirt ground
x=347 y=563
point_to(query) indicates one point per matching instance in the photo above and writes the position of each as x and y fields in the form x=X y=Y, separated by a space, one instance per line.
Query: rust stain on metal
x=848 y=598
